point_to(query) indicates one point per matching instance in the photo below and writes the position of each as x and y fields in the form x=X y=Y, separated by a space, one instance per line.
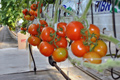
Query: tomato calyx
x=60 y=29
x=86 y=36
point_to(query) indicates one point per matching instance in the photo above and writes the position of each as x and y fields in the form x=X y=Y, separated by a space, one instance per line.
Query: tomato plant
x=95 y=31
x=92 y=57
x=47 y=34
x=35 y=41
x=33 y=29
x=60 y=42
x=61 y=29
x=78 y=48
x=101 y=48
x=60 y=54
x=46 y=49
x=41 y=4
x=73 y=30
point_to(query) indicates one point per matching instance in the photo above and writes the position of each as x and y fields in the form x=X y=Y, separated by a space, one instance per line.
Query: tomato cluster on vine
x=48 y=41
x=32 y=13
x=86 y=42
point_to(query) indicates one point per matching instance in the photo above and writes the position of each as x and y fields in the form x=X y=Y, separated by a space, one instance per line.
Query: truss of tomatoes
x=32 y=13
x=86 y=43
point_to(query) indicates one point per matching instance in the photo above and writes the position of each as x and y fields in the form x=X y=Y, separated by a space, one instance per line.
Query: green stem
x=109 y=38
x=98 y=67
x=46 y=6
x=70 y=12
x=28 y=4
x=56 y=11
x=86 y=11
x=118 y=56
x=39 y=6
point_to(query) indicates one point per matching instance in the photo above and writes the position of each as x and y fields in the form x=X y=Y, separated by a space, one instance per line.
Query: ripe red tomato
x=47 y=34
x=25 y=29
x=35 y=13
x=35 y=41
x=61 y=29
x=101 y=48
x=78 y=48
x=43 y=24
x=33 y=29
x=32 y=18
x=27 y=17
x=73 y=30
x=46 y=49
x=22 y=28
x=24 y=11
x=60 y=54
x=92 y=57
x=31 y=12
x=94 y=30
x=40 y=10
x=33 y=6
x=60 y=43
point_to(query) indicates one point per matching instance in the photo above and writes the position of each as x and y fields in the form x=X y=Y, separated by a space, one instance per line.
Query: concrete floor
x=13 y=60
x=14 y=65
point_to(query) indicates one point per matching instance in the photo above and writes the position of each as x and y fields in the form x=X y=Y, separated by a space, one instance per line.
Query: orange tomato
x=94 y=30
x=60 y=54
x=101 y=48
x=92 y=57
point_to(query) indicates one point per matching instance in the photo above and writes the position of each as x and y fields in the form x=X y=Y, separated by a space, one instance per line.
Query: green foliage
x=11 y=11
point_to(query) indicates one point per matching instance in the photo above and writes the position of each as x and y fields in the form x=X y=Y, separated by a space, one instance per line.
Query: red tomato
x=35 y=41
x=94 y=30
x=27 y=17
x=60 y=54
x=33 y=6
x=33 y=29
x=43 y=24
x=47 y=34
x=101 y=48
x=25 y=29
x=46 y=49
x=73 y=30
x=78 y=48
x=60 y=42
x=32 y=18
x=92 y=57
x=61 y=29
x=24 y=11
x=40 y=10
x=22 y=28
x=31 y=12
x=35 y=13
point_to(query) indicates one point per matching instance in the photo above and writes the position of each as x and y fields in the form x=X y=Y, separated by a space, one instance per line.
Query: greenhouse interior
x=59 y=40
